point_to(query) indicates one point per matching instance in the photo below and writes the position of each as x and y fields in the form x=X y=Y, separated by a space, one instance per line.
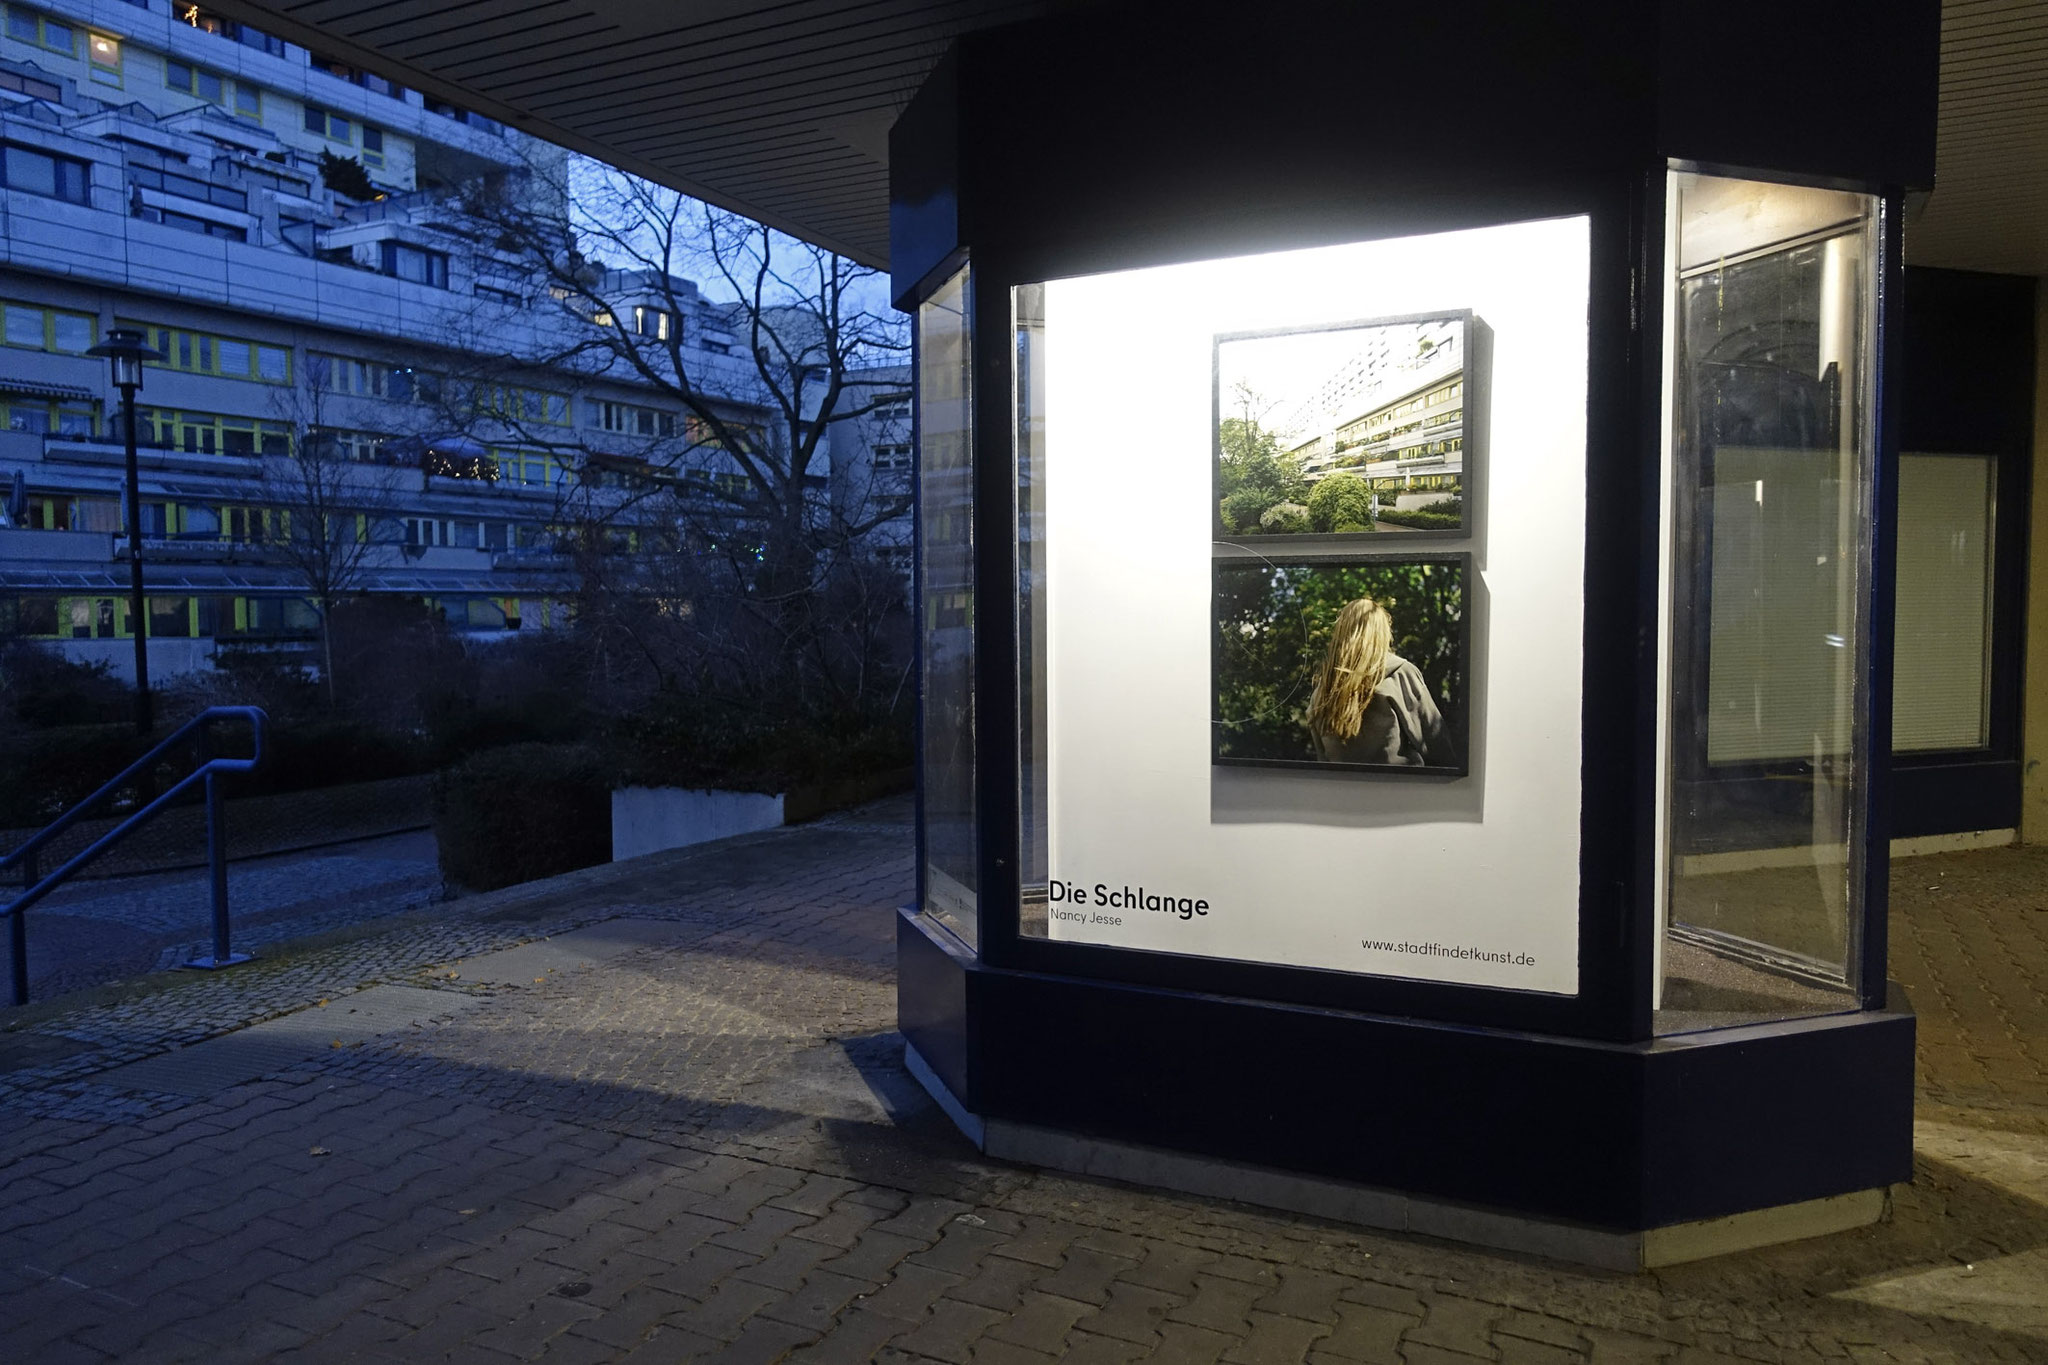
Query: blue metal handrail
x=208 y=772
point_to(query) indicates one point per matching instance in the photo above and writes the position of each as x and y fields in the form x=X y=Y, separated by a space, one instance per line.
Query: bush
x=44 y=773
x=42 y=687
x=1338 y=501
x=333 y=751
x=522 y=812
x=1423 y=519
x=683 y=744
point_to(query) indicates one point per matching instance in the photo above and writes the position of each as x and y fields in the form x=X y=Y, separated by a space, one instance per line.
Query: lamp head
x=125 y=350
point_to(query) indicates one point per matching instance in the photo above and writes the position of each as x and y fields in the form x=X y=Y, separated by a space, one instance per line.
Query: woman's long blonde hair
x=1353 y=666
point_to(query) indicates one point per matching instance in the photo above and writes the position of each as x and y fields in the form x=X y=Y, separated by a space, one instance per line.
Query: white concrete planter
x=649 y=819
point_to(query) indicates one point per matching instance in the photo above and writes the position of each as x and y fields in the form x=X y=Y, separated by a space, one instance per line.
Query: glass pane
x=1769 y=458
x=1244 y=735
x=946 y=591
x=1941 y=673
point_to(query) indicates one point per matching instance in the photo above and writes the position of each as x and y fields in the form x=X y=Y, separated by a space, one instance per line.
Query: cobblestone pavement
x=706 y=1148
x=97 y=931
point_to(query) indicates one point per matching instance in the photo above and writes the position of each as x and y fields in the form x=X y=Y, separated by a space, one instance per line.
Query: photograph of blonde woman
x=1370 y=704
x=1353 y=664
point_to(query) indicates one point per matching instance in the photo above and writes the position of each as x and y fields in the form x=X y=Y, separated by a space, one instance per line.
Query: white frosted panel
x=1939 y=670
x=1780 y=672
x=1473 y=879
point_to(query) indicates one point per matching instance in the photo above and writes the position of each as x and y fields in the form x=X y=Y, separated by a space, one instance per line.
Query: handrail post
x=17 y=934
x=216 y=867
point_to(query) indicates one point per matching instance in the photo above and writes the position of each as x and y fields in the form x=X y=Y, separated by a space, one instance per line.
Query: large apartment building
x=292 y=234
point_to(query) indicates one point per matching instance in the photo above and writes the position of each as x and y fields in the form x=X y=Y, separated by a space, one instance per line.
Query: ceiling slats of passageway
x=781 y=110
x=778 y=110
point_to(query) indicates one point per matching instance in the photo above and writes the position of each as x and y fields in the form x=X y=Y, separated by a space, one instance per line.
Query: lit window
x=105 y=55
x=651 y=322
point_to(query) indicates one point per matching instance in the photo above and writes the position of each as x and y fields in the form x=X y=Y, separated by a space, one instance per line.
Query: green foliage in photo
x=1273 y=624
x=1253 y=474
x=1341 y=502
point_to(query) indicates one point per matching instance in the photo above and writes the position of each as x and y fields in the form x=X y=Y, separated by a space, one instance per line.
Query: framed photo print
x=1345 y=431
x=1353 y=665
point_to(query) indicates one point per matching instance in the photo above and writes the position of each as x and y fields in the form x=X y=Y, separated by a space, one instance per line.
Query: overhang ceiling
x=1989 y=209
x=781 y=110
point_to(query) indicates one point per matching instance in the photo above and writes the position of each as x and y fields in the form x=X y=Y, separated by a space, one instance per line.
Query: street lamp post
x=125 y=349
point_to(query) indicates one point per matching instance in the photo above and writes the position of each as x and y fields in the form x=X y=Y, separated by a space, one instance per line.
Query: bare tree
x=334 y=511
x=737 y=472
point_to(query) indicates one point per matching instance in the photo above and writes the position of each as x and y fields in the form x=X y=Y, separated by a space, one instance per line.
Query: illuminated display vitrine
x=1406 y=675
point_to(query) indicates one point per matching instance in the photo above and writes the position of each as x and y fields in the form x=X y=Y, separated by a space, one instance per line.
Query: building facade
x=304 y=244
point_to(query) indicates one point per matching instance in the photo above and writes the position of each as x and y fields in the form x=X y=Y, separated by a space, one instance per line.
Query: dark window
x=57 y=177
x=30 y=86
x=415 y=264
x=169 y=616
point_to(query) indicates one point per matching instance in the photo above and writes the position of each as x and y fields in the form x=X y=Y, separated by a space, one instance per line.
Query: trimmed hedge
x=44 y=773
x=331 y=753
x=686 y=746
x=522 y=812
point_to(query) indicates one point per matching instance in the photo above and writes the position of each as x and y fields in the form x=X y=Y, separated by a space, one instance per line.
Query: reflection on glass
x=1770 y=460
x=1941 y=672
x=946 y=594
x=1027 y=306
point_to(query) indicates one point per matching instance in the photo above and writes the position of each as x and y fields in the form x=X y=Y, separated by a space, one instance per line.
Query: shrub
x=1338 y=501
x=686 y=744
x=44 y=773
x=522 y=812
x=1422 y=519
x=333 y=751
x=42 y=687
x=1241 y=510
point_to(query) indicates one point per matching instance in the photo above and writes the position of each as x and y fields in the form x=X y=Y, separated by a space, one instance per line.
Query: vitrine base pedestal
x=1625 y=1155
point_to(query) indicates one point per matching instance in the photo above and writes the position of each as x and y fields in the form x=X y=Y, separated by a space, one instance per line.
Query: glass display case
x=948 y=832
x=1406 y=677
x=1769 y=459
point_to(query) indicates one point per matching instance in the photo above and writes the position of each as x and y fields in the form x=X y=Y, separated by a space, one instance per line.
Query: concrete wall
x=2034 y=704
x=649 y=819
x=169 y=658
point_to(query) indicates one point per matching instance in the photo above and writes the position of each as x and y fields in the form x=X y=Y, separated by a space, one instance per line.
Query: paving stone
x=817 y=1302
x=1220 y=1305
x=1042 y=1322
x=688 y=1137
x=910 y=1292
x=1457 y=1324
x=1274 y=1339
x=1134 y=1313
x=949 y=1331
x=1368 y=1334
x=721 y=1312
x=1086 y=1274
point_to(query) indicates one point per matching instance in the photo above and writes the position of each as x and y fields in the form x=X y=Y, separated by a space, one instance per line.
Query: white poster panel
x=1470 y=879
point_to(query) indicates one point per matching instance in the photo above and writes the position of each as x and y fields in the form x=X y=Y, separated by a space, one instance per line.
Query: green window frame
x=195 y=352
x=45 y=417
x=330 y=125
x=60 y=331
x=28 y=26
x=196 y=81
x=103 y=56
x=212 y=433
